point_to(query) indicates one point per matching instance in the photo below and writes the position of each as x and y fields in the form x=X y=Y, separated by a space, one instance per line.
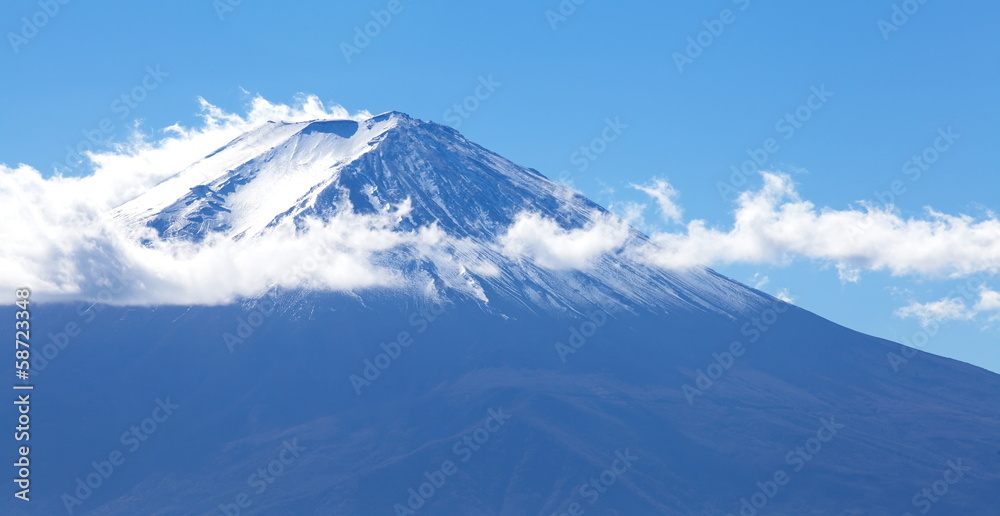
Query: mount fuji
x=492 y=372
x=284 y=175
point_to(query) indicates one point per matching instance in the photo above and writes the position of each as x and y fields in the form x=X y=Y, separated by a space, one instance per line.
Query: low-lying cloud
x=64 y=242
x=542 y=240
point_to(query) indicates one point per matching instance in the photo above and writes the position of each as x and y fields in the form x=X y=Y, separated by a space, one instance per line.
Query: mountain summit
x=285 y=172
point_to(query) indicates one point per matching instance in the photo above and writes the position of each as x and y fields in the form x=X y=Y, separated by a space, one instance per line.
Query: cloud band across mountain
x=69 y=236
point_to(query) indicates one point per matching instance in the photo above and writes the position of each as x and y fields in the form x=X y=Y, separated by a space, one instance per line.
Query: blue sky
x=554 y=82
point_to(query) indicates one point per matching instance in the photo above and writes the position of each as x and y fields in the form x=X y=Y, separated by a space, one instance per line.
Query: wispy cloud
x=953 y=308
x=758 y=281
x=666 y=199
x=948 y=309
x=785 y=295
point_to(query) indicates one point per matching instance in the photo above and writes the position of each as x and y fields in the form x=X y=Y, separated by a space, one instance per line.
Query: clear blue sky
x=940 y=69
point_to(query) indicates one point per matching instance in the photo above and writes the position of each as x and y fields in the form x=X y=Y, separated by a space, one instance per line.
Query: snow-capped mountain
x=284 y=174
x=506 y=387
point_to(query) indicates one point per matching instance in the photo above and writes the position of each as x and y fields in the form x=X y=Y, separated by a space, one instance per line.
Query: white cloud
x=774 y=226
x=759 y=280
x=630 y=212
x=989 y=300
x=848 y=274
x=666 y=198
x=71 y=251
x=785 y=295
x=952 y=309
x=948 y=309
x=542 y=240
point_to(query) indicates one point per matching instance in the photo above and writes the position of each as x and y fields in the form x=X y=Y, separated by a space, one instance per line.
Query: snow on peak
x=243 y=187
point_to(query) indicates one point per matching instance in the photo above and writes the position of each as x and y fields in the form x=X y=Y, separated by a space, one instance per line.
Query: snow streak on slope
x=243 y=186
